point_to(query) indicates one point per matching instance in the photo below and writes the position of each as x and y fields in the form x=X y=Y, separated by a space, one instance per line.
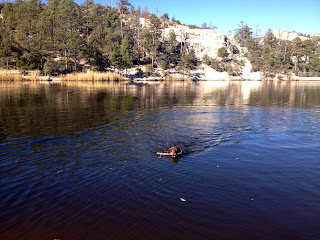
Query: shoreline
x=200 y=74
x=306 y=79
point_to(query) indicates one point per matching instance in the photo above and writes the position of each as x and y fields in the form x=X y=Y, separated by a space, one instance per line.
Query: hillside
x=60 y=37
x=203 y=41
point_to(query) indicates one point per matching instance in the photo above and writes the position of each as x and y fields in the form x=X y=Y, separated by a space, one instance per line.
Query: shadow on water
x=79 y=159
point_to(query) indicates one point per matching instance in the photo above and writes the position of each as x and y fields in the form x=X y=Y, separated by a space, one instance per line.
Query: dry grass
x=33 y=75
x=93 y=76
x=16 y=75
x=10 y=75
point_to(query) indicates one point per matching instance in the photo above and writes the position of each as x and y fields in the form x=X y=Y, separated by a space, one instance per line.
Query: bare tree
x=231 y=43
x=257 y=33
x=123 y=4
x=157 y=10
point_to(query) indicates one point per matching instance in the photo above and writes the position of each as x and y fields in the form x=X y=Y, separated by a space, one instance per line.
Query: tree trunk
x=87 y=35
x=285 y=55
x=121 y=29
x=231 y=50
x=164 y=26
x=296 y=64
x=65 y=55
x=154 y=51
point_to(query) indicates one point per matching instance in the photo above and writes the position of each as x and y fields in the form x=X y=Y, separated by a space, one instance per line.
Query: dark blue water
x=78 y=161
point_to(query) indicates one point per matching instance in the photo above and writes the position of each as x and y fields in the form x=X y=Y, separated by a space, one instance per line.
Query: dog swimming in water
x=173 y=152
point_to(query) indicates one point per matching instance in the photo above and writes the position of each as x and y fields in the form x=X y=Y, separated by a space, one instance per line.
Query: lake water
x=78 y=161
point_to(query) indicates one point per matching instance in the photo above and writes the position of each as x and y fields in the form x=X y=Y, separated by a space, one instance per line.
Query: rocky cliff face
x=203 y=41
x=289 y=36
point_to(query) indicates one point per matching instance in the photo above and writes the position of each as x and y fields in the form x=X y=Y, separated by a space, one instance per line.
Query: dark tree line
x=60 y=36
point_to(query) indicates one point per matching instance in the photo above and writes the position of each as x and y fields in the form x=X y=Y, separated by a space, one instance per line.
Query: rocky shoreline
x=201 y=73
x=206 y=73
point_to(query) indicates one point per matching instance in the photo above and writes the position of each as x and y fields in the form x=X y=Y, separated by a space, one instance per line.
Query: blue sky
x=286 y=15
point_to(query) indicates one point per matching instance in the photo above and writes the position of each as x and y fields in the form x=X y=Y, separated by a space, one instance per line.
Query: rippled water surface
x=78 y=161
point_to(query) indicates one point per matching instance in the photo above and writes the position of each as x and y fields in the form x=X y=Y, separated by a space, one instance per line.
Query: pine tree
x=126 y=53
x=188 y=60
x=123 y=8
x=115 y=58
x=297 y=52
x=243 y=34
x=68 y=18
x=223 y=52
x=6 y=50
x=75 y=48
x=270 y=40
x=88 y=9
x=154 y=37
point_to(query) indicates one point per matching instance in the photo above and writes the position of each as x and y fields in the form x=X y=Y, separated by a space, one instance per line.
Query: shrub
x=206 y=59
x=28 y=61
x=223 y=52
x=148 y=71
x=235 y=49
x=216 y=65
x=139 y=72
x=52 y=67
x=163 y=64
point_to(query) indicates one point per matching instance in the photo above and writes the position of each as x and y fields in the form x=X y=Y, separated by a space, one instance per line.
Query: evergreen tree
x=68 y=19
x=60 y=32
x=126 y=53
x=123 y=8
x=188 y=61
x=172 y=48
x=7 y=50
x=270 y=40
x=243 y=34
x=75 y=47
x=165 y=19
x=297 y=52
x=88 y=8
x=223 y=52
x=154 y=36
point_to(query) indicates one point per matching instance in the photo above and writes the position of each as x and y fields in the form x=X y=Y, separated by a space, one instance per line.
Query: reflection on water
x=77 y=160
x=43 y=109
